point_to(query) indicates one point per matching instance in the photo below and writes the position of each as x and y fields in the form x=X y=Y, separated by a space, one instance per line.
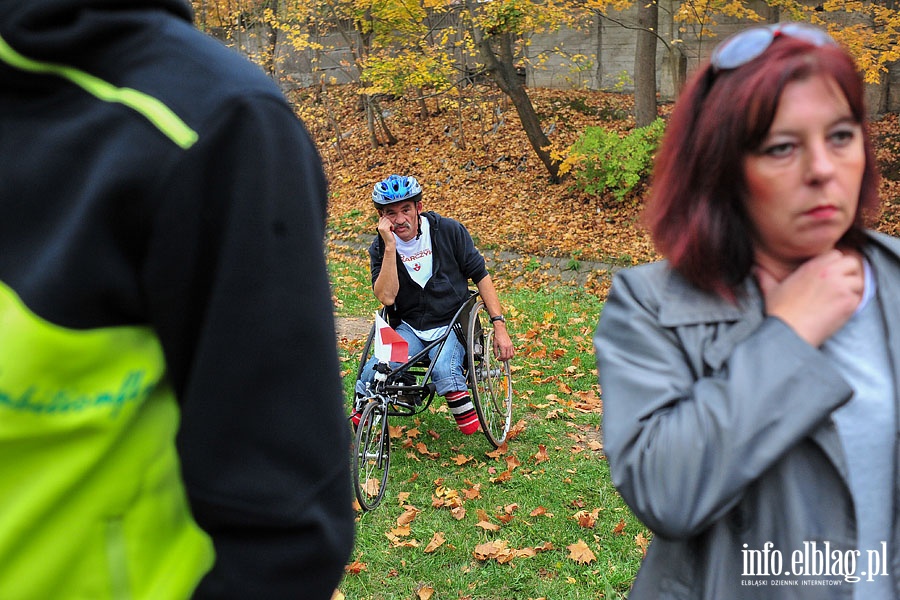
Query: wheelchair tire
x=371 y=456
x=489 y=379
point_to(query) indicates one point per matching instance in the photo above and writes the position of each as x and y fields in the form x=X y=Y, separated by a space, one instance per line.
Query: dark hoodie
x=456 y=262
x=165 y=317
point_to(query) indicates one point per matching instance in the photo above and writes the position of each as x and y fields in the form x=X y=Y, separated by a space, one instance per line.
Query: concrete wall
x=599 y=57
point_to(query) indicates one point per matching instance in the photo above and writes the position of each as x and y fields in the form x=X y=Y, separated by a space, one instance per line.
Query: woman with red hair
x=749 y=380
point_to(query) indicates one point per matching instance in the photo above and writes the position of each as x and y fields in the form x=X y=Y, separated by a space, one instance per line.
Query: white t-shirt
x=866 y=426
x=417 y=254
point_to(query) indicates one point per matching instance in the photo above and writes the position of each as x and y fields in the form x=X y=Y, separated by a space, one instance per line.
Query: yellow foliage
x=398 y=31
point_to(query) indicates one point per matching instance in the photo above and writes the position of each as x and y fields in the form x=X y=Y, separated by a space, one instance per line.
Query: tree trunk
x=200 y=17
x=423 y=106
x=370 y=122
x=677 y=69
x=598 y=50
x=882 y=102
x=271 y=39
x=271 y=49
x=502 y=69
x=390 y=140
x=645 y=63
x=333 y=122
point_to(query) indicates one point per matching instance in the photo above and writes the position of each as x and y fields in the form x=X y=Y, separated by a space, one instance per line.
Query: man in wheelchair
x=421 y=265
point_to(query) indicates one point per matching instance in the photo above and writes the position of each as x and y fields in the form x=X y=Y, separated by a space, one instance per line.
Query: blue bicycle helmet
x=396 y=188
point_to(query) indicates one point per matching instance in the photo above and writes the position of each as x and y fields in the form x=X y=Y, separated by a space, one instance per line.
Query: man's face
x=404 y=218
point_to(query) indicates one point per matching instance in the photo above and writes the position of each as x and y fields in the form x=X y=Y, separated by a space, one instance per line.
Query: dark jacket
x=717 y=427
x=159 y=196
x=456 y=261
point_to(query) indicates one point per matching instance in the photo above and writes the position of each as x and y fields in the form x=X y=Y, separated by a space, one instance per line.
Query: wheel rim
x=491 y=381
x=372 y=456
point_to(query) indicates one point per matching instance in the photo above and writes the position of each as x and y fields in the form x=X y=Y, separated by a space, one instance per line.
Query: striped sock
x=356 y=417
x=461 y=406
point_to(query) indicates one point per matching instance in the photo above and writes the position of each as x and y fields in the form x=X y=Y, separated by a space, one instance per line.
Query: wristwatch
x=500 y=318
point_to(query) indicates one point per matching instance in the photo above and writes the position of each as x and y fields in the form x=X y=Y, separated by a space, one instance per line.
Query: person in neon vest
x=170 y=397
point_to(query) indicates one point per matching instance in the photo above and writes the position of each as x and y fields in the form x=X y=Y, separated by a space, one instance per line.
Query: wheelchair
x=407 y=390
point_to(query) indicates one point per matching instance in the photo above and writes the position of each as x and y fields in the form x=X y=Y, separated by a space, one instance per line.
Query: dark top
x=112 y=216
x=455 y=261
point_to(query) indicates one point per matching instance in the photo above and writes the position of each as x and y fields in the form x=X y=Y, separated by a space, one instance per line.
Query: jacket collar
x=684 y=304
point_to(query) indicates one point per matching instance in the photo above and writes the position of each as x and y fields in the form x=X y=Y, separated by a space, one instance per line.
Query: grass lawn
x=538 y=518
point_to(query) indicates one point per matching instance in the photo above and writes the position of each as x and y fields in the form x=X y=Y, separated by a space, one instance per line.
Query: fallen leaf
x=371 y=487
x=516 y=429
x=641 y=542
x=437 y=540
x=407 y=516
x=487 y=526
x=497 y=453
x=504 y=476
x=489 y=549
x=580 y=553
x=472 y=492
x=586 y=519
x=425 y=592
x=423 y=450
x=356 y=567
x=461 y=459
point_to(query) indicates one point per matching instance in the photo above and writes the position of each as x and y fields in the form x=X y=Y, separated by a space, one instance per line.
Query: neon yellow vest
x=91 y=500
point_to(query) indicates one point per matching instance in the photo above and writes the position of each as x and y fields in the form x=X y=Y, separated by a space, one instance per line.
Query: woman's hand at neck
x=815 y=297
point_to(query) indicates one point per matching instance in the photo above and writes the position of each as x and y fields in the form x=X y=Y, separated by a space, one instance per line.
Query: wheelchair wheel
x=371 y=456
x=489 y=379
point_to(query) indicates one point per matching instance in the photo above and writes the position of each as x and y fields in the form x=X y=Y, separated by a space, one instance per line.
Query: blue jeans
x=447 y=374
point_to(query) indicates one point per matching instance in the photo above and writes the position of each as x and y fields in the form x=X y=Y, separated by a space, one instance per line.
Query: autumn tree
x=417 y=48
x=496 y=31
x=251 y=25
x=490 y=35
x=869 y=30
x=645 y=63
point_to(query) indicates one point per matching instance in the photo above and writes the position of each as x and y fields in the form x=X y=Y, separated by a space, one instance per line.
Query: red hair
x=696 y=212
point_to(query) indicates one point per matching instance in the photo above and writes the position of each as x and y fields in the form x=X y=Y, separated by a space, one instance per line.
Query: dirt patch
x=352 y=328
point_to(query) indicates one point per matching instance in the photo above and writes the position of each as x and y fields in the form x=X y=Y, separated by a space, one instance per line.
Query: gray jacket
x=718 y=431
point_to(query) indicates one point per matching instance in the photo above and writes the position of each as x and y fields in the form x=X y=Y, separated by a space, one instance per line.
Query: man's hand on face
x=386 y=230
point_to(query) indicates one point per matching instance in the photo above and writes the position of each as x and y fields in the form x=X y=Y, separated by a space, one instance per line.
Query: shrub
x=602 y=161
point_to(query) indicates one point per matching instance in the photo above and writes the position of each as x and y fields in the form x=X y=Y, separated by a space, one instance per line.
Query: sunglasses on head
x=743 y=47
